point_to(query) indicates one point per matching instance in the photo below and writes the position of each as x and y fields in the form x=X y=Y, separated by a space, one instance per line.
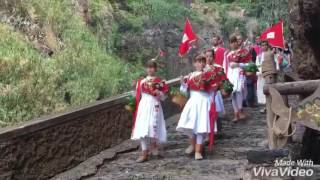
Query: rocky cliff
x=305 y=28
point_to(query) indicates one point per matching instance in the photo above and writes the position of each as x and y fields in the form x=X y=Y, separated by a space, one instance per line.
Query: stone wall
x=44 y=147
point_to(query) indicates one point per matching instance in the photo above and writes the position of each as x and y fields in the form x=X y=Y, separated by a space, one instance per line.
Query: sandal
x=142 y=159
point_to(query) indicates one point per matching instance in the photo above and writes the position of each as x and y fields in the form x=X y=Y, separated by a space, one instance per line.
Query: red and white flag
x=188 y=37
x=274 y=35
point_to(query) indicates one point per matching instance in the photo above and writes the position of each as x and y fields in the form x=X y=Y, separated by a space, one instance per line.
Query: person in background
x=247 y=54
x=256 y=46
x=280 y=59
x=236 y=76
x=287 y=53
x=251 y=82
x=260 y=83
x=241 y=48
x=149 y=125
x=219 y=51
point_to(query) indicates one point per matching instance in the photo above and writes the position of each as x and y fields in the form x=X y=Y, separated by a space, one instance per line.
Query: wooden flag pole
x=181 y=63
x=155 y=58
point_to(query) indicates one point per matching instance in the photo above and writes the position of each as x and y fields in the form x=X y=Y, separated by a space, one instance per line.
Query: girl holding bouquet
x=236 y=76
x=195 y=120
x=218 y=70
x=149 y=125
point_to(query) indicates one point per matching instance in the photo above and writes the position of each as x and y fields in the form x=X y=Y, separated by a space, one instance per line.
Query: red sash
x=213 y=116
x=138 y=97
x=219 y=56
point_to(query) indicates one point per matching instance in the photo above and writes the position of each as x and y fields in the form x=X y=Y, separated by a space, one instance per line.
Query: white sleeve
x=258 y=63
x=277 y=63
x=184 y=87
x=162 y=96
x=242 y=65
x=225 y=63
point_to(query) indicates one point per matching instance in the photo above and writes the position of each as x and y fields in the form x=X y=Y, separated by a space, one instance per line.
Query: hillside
x=58 y=54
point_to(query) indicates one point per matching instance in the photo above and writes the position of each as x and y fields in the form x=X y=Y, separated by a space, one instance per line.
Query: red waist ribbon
x=138 y=97
x=213 y=116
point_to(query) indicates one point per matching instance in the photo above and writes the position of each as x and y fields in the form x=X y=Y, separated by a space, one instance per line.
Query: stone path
x=228 y=161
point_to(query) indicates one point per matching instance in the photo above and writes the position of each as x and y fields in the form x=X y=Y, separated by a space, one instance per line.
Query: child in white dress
x=236 y=76
x=149 y=125
x=216 y=96
x=260 y=82
x=194 y=120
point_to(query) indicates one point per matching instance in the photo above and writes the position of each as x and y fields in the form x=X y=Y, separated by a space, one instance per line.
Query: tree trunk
x=305 y=28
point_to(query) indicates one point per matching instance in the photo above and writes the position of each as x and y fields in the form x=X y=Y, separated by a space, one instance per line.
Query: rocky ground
x=228 y=161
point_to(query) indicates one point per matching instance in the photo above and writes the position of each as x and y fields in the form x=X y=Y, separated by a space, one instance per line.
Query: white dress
x=194 y=118
x=219 y=102
x=260 y=82
x=235 y=77
x=150 y=120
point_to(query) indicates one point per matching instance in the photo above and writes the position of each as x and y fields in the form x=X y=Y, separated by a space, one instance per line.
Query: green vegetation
x=131 y=104
x=79 y=72
x=227 y=86
x=265 y=13
x=251 y=67
x=159 y=11
x=89 y=59
x=85 y=65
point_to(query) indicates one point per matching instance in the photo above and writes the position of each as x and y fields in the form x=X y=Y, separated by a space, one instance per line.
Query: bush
x=228 y=25
x=159 y=10
x=80 y=70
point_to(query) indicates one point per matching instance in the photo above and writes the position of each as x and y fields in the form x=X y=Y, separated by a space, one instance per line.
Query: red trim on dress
x=213 y=115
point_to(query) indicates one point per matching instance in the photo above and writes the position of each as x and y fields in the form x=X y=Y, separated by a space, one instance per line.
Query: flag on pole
x=188 y=37
x=274 y=35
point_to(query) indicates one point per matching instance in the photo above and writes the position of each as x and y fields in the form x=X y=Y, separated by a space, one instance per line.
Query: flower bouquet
x=154 y=85
x=250 y=69
x=244 y=55
x=177 y=97
x=131 y=104
x=151 y=86
x=226 y=88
